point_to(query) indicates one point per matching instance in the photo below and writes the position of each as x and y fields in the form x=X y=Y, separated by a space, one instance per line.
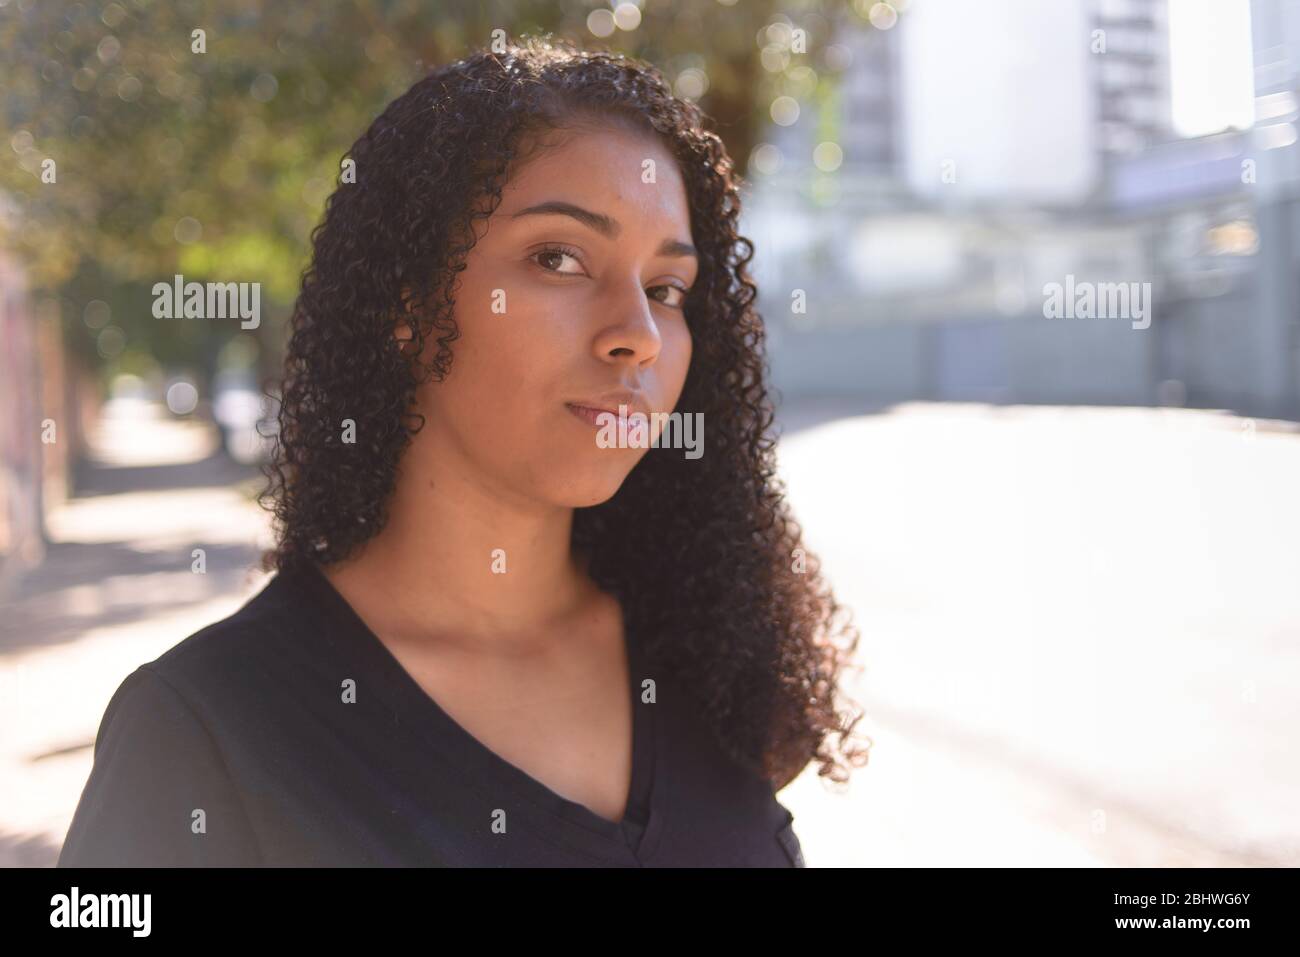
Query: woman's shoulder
x=185 y=736
x=268 y=627
x=159 y=792
x=158 y=777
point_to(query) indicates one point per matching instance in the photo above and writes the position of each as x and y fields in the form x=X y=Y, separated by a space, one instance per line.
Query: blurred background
x=1067 y=535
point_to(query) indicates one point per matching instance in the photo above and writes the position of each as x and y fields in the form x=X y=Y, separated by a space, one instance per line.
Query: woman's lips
x=591 y=416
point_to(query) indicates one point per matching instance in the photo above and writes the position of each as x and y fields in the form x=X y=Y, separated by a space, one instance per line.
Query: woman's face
x=572 y=294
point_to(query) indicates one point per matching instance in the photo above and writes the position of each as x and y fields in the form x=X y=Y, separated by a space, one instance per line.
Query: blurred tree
x=211 y=153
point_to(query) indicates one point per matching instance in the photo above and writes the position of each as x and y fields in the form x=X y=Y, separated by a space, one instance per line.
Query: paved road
x=1080 y=628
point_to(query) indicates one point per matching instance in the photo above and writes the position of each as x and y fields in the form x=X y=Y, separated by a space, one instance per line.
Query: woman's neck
x=456 y=560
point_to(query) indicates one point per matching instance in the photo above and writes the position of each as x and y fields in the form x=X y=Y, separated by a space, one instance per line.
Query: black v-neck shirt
x=289 y=735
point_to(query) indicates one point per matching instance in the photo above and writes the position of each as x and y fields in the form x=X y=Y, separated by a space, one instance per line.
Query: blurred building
x=20 y=419
x=39 y=425
x=1275 y=35
x=1028 y=149
x=869 y=124
x=48 y=403
x=1132 y=79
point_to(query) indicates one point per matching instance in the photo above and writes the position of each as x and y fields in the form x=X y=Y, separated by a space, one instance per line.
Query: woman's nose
x=633 y=329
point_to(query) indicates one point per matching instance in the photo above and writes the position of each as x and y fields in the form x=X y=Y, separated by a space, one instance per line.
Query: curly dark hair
x=751 y=630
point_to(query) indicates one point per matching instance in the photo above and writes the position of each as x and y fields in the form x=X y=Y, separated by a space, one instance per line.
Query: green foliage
x=217 y=164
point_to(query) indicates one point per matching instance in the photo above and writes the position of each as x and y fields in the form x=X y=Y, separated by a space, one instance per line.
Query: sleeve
x=155 y=768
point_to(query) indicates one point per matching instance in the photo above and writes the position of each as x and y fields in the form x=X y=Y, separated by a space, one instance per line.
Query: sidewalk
x=117 y=588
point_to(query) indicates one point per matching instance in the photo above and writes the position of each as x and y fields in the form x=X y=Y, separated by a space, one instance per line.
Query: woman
x=502 y=631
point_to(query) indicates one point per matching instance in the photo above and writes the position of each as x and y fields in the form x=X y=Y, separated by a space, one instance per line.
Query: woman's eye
x=553 y=255
x=673 y=291
x=552 y=259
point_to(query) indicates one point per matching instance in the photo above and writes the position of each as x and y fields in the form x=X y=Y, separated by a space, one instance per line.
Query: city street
x=1080 y=627
x=1081 y=634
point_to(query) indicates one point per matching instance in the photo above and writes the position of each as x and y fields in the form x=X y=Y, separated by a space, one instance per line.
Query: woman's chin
x=591 y=490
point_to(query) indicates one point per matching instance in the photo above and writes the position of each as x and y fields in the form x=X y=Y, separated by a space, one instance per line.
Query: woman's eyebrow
x=605 y=225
